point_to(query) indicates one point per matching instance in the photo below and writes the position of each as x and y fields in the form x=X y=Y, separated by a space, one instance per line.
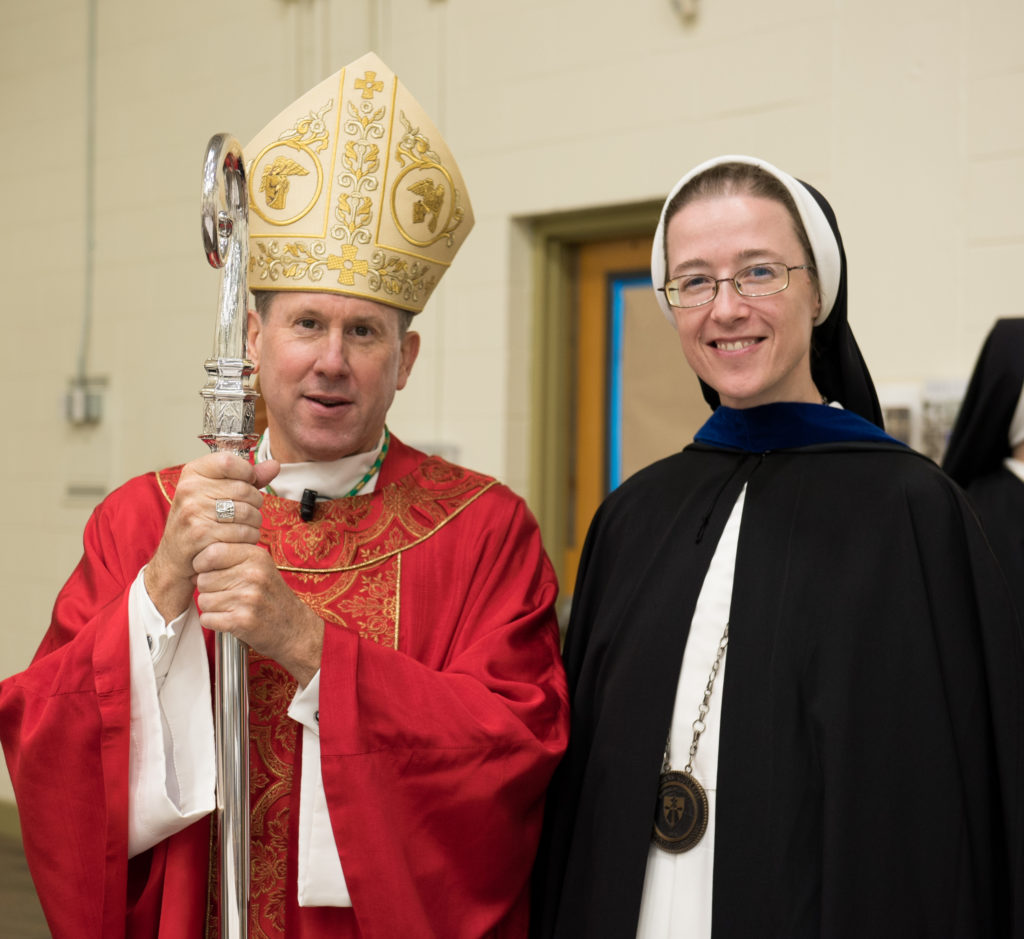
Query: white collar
x=331 y=480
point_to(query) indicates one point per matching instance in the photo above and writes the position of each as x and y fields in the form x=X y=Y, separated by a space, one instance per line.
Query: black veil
x=980 y=438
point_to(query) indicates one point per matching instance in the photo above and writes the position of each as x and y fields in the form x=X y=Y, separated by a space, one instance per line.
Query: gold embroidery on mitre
x=380 y=217
x=292 y=260
x=275 y=182
x=428 y=180
x=291 y=156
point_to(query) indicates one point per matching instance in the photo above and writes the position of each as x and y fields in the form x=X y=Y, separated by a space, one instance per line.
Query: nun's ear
x=817 y=307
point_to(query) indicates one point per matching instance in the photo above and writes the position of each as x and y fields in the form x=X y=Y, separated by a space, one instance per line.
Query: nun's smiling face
x=751 y=350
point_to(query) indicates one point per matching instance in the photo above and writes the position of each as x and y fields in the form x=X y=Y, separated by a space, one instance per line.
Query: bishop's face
x=329 y=367
x=751 y=350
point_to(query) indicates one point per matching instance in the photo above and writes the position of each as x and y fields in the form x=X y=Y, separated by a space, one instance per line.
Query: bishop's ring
x=225 y=509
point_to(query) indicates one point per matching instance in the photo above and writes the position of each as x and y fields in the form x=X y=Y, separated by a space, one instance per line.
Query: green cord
x=362 y=482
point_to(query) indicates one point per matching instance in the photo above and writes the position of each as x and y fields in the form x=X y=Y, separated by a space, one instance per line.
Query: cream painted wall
x=906 y=115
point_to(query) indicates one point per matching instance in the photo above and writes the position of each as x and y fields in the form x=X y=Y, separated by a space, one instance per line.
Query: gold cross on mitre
x=368 y=85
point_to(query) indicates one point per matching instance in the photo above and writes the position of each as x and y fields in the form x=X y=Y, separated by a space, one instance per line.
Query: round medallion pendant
x=681 y=813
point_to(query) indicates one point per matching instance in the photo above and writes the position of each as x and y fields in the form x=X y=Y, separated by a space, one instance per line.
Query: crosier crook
x=229 y=415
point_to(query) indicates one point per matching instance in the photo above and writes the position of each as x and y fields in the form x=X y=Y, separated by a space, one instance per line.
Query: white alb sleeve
x=321 y=879
x=172 y=765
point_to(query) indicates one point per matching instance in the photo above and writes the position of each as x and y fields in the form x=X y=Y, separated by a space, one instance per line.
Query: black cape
x=870 y=757
x=998 y=498
x=980 y=442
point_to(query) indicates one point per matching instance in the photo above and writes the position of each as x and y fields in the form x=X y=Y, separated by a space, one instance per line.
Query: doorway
x=612 y=392
x=636 y=399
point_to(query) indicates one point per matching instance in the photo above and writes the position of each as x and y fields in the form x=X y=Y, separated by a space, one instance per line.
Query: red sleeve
x=436 y=757
x=64 y=722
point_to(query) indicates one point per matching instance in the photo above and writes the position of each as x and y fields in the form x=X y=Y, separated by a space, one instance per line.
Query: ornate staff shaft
x=228 y=424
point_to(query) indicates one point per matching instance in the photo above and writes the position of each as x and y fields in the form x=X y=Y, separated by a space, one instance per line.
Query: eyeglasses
x=758 y=280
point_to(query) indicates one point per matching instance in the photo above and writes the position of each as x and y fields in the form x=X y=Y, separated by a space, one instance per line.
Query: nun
x=795 y=669
x=985 y=453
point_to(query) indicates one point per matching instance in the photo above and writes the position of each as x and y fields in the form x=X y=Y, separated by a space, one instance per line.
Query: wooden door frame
x=554 y=243
x=597 y=260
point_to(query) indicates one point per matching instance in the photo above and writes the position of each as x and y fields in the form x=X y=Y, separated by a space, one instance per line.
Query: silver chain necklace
x=681 y=812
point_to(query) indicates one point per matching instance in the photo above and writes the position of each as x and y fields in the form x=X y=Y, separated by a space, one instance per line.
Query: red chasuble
x=442 y=714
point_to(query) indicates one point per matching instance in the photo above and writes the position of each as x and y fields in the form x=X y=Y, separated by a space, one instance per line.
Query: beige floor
x=21 y=917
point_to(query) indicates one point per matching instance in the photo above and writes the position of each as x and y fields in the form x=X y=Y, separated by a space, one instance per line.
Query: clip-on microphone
x=308 y=504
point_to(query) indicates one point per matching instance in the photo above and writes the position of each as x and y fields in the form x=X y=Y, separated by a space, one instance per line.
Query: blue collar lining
x=785 y=425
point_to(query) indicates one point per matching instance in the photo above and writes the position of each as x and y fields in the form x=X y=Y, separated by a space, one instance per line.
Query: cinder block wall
x=906 y=115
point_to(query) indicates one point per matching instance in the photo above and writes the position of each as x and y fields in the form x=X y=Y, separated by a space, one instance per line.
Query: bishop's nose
x=332 y=355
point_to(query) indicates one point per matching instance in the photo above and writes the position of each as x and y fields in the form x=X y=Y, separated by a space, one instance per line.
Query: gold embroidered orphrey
x=352 y=190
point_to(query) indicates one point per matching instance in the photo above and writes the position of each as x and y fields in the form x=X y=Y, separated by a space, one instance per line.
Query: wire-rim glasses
x=758 y=280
